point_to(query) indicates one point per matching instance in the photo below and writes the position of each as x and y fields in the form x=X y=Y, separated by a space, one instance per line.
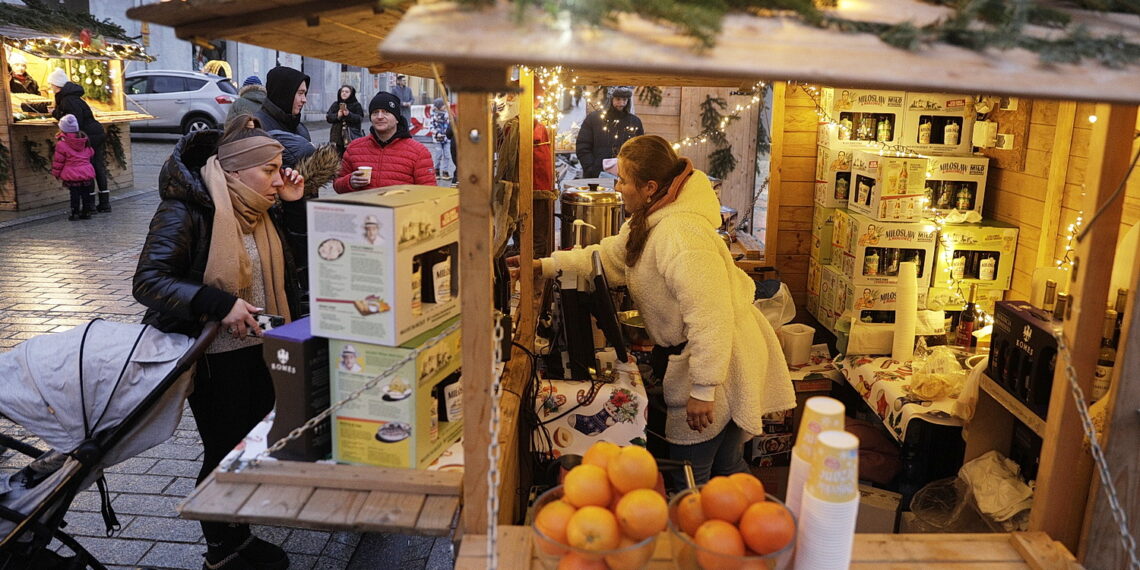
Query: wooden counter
x=872 y=551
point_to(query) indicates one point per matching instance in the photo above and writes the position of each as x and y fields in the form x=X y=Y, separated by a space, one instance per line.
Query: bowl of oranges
x=607 y=513
x=730 y=522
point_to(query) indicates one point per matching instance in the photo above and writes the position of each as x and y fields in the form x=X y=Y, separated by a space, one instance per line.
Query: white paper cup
x=826 y=532
x=365 y=170
x=834 y=472
x=797 y=478
x=796 y=340
x=820 y=414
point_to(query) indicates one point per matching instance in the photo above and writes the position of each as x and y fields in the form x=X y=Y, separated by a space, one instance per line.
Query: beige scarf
x=674 y=190
x=239 y=210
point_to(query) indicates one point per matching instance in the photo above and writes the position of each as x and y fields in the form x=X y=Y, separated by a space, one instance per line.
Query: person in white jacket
x=724 y=367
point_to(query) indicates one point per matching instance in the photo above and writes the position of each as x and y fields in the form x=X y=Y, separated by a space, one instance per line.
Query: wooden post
x=1055 y=185
x=526 y=189
x=1066 y=468
x=775 y=178
x=473 y=137
x=1100 y=543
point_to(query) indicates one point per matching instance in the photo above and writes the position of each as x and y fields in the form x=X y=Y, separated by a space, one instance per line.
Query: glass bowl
x=550 y=552
x=688 y=556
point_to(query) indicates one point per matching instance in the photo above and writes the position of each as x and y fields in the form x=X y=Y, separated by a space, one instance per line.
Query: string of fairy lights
x=756 y=93
x=67 y=47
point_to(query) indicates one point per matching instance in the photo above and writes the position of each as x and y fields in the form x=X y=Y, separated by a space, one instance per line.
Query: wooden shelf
x=1016 y=550
x=1013 y=405
x=331 y=497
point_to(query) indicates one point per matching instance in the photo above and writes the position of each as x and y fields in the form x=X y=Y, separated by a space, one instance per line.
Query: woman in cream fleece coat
x=726 y=369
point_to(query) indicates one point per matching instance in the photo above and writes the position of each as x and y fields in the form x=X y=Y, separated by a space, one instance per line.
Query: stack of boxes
x=383 y=282
x=888 y=158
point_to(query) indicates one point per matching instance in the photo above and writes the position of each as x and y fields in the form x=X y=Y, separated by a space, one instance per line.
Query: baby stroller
x=97 y=394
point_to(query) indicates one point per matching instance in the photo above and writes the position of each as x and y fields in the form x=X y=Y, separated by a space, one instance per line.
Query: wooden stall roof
x=345 y=31
x=754 y=47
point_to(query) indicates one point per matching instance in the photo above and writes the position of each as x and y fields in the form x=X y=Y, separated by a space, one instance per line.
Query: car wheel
x=196 y=123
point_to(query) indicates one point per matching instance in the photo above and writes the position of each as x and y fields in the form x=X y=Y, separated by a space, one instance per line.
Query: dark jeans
x=721 y=455
x=99 y=161
x=232 y=393
x=82 y=196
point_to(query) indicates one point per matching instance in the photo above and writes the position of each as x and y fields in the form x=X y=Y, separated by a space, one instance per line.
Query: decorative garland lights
x=95 y=47
x=720 y=130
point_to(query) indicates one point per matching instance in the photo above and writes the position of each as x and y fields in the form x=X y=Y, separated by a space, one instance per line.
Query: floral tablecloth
x=574 y=414
x=884 y=384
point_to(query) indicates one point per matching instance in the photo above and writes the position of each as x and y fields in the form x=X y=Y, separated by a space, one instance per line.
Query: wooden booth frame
x=481 y=47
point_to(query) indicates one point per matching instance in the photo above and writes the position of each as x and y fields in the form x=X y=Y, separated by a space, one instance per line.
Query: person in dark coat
x=251 y=97
x=286 y=93
x=219 y=248
x=604 y=131
x=69 y=101
x=345 y=116
x=394 y=156
x=18 y=79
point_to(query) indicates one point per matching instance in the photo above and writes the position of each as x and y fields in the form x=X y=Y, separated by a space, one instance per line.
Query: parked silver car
x=180 y=101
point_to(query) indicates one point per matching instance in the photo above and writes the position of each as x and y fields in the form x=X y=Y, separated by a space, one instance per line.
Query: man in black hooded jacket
x=604 y=131
x=286 y=90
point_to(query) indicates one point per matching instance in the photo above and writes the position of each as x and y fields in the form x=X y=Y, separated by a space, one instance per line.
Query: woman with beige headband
x=219 y=248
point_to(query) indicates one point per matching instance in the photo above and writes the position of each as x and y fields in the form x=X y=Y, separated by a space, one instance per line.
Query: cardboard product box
x=772 y=449
x=830 y=284
x=832 y=177
x=864 y=117
x=887 y=187
x=878 y=510
x=979 y=253
x=822 y=228
x=841 y=237
x=392 y=425
x=815 y=275
x=870 y=303
x=956 y=183
x=813 y=304
x=383 y=264
x=1023 y=353
x=775 y=480
x=298 y=363
x=878 y=248
x=938 y=123
x=954 y=298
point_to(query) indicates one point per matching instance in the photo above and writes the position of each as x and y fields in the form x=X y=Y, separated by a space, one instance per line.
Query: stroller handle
x=204 y=340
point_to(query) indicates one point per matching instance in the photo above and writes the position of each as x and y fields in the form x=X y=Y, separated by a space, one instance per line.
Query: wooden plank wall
x=797 y=188
x=1018 y=196
x=37 y=189
x=8 y=189
x=679 y=116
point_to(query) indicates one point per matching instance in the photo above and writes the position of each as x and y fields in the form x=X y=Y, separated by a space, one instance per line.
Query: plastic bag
x=779 y=309
x=968 y=400
x=938 y=375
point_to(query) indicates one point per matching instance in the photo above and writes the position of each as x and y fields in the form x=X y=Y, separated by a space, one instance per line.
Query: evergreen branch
x=722 y=162
x=36 y=161
x=650 y=95
x=40 y=16
x=115 y=145
x=5 y=164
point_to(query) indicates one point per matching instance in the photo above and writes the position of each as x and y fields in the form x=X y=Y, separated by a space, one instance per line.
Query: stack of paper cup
x=830 y=503
x=820 y=414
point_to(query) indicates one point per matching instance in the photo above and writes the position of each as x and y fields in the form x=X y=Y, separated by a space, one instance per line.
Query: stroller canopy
x=40 y=379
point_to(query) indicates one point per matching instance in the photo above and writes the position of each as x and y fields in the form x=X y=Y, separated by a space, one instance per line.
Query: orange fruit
x=722 y=499
x=718 y=537
x=600 y=454
x=632 y=468
x=633 y=558
x=587 y=485
x=575 y=561
x=593 y=528
x=690 y=515
x=552 y=521
x=752 y=488
x=767 y=527
x=642 y=513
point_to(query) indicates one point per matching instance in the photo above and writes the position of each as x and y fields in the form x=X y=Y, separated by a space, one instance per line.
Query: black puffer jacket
x=168 y=280
x=69 y=101
x=274 y=119
x=601 y=136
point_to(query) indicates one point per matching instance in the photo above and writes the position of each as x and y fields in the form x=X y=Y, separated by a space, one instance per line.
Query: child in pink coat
x=72 y=166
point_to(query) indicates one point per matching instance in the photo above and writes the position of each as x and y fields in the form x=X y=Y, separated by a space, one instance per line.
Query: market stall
x=27 y=129
x=476 y=63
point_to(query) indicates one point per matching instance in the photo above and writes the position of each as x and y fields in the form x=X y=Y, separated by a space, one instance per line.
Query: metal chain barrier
x=1118 y=514
x=494 y=477
x=387 y=373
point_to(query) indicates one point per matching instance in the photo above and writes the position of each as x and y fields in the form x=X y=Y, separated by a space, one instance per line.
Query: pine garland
x=650 y=95
x=974 y=24
x=36 y=161
x=38 y=15
x=115 y=145
x=714 y=123
x=5 y=164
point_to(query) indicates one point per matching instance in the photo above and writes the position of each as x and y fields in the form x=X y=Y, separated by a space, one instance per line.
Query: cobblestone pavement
x=56 y=274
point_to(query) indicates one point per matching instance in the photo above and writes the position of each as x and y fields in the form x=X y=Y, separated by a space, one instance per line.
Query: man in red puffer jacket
x=389 y=149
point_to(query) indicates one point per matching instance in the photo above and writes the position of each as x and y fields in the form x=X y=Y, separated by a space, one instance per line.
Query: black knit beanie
x=386 y=101
x=281 y=85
